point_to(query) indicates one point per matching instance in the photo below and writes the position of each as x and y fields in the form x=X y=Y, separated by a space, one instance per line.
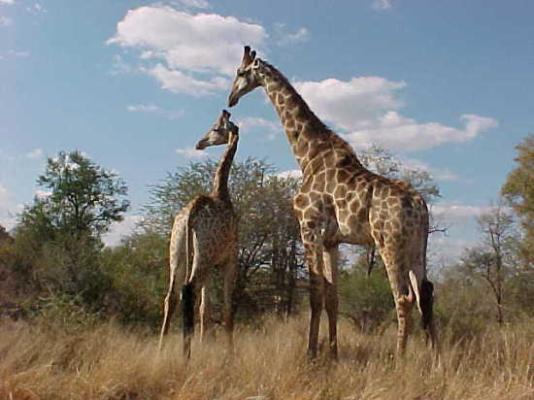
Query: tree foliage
x=519 y=191
x=494 y=261
x=80 y=196
x=270 y=255
x=57 y=240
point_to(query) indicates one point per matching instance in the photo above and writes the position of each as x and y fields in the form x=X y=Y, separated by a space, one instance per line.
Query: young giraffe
x=206 y=229
x=340 y=201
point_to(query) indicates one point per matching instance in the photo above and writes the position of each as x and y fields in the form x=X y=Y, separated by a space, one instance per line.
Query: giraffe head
x=220 y=133
x=247 y=77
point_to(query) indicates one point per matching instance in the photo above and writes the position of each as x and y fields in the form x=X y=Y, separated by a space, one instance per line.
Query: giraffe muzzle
x=201 y=145
x=232 y=100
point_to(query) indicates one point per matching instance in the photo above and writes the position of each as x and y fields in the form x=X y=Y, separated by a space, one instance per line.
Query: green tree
x=365 y=299
x=136 y=278
x=58 y=238
x=494 y=261
x=84 y=198
x=270 y=255
x=519 y=191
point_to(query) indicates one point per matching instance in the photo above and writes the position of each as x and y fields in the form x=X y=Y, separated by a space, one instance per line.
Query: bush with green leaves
x=138 y=274
x=57 y=242
x=365 y=299
x=270 y=254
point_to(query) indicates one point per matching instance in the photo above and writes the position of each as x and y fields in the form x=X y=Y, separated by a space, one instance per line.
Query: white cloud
x=195 y=53
x=36 y=8
x=143 y=108
x=460 y=220
x=399 y=133
x=367 y=109
x=8 y=208
x=178 y=82
x=18 y=53
x=439 y=174
x=120 y=230
x=354 y=104
x=119 y=66
x=382 y=5
x=42 y=194
x=7 y=1
x=457 y=212
x=290 y=173
x=35 y=154
x=191 y=153
x=446 y=249
x=284 y=37
x=154 y=109
x=201 y=4
x=4 y=195
x=5 y=21
x=268 y=128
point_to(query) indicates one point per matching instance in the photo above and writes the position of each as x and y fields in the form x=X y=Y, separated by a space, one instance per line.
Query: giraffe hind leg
x=400 y=288
x=316 y=305
x=403 y=307
x=331 y=299
x=168 y=311
x=313 y=253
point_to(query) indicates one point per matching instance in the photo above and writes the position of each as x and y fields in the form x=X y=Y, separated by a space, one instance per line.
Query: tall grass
x=108 y=362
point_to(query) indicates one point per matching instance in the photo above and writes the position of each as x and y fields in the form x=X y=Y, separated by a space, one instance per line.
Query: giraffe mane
x=317 y=126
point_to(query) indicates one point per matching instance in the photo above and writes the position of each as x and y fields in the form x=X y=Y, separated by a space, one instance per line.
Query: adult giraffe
x=340 y=201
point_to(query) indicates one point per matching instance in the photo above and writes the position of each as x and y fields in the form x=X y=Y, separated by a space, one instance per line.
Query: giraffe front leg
x=330 y=257
x=313 y=258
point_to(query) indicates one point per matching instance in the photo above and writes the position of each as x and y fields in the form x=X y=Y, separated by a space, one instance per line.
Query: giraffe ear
x=256 y=63
x=226 y=114
x=248 y=56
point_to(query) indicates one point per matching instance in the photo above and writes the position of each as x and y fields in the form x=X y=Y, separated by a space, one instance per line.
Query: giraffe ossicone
x=204 y=235
x=340 y=201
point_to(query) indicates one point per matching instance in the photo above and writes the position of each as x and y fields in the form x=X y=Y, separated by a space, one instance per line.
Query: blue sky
x=446 y=86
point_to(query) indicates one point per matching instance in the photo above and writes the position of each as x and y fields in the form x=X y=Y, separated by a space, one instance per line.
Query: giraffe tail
x=188 y=293
x=424 y=296
x=188 y=308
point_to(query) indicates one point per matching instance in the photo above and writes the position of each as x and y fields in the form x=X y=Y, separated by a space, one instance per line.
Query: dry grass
x=107 y=362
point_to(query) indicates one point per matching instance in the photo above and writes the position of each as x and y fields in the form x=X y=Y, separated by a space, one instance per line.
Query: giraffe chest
x=216 y=229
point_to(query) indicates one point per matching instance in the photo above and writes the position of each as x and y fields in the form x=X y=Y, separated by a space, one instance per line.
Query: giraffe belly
x=353 y=226
x=353 y=232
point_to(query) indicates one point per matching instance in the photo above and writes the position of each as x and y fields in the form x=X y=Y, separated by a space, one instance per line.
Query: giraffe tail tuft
x=188 y=308
x=427 y=302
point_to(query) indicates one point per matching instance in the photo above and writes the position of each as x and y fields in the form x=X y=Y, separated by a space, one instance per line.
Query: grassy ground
x=107 y=362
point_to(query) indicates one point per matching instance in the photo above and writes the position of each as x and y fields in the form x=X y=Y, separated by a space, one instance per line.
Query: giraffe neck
x=220 y=181
x=307 y=134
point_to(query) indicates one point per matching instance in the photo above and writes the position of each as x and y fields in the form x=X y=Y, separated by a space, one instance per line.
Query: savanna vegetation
x=79 y=320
